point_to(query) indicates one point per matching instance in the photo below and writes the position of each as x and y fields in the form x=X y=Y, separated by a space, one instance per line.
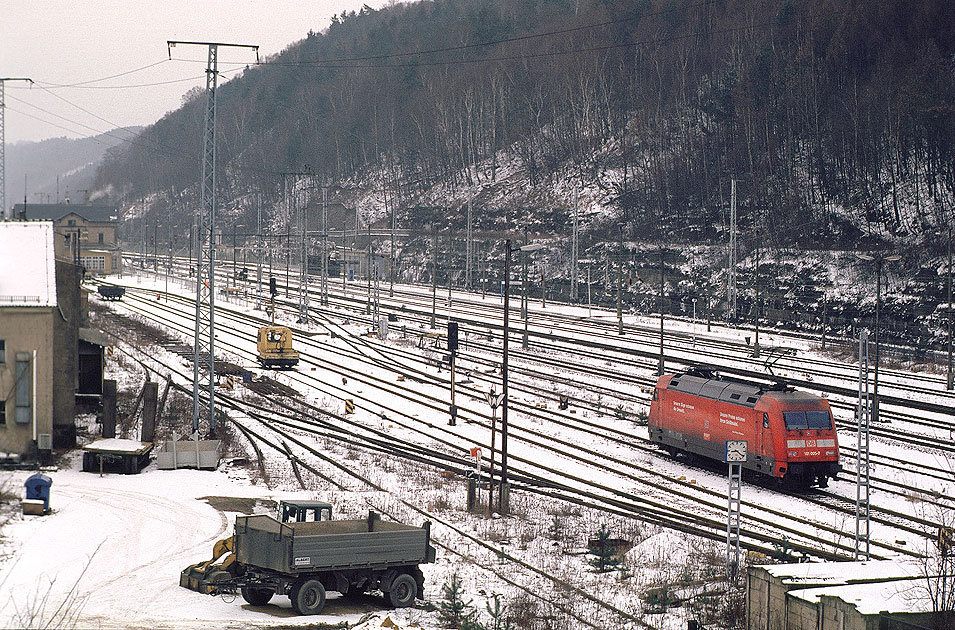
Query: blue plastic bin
x=38 y=487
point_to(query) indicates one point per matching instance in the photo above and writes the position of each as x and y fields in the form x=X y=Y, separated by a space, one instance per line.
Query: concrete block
x=32 y=506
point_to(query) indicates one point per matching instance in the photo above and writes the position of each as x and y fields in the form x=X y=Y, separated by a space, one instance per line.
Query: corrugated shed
x=27 y=266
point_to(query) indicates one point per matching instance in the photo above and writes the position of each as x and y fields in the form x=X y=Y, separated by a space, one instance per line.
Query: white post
x=34 y=397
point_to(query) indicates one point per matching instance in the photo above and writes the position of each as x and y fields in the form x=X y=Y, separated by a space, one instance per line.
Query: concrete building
x=89 y=232
x=40 y=317
x=894 y=605
x=869 y=595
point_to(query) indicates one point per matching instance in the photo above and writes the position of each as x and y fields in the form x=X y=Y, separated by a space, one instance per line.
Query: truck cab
x=300 y=511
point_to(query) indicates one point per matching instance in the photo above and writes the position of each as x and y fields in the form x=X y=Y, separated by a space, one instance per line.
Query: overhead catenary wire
x=628 y=498
x=107 y=78
x=493 y=42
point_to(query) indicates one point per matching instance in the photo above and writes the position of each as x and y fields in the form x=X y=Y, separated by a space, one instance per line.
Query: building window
x=93 y=263
x=71 y=223
x=23 y=387
x=100 y=237
x=3 y=413
x=3 y=350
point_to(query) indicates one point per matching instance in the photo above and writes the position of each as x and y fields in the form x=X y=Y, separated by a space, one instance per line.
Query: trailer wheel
x=403 y=591
x=257 y=596
x=308 y=597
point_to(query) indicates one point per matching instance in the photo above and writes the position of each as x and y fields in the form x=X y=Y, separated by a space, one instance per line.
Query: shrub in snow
x=498 y=613
x=453 y=610
x=556 y=529
x=604 y=550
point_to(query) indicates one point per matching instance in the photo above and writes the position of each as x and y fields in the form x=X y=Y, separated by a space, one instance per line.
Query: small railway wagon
x=790 y=434
x=111 y=291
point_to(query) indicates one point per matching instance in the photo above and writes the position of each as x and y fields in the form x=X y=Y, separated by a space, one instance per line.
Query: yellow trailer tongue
x=202 y=577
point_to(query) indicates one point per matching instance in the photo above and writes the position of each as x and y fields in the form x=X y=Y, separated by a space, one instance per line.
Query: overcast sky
x=58 y=43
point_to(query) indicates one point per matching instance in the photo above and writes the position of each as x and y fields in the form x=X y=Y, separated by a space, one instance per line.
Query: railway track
x=638 y=361
x=437 y=405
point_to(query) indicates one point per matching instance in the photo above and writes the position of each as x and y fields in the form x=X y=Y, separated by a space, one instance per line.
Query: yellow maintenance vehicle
x=205 y=577
x=304 y=559
x=274 y=347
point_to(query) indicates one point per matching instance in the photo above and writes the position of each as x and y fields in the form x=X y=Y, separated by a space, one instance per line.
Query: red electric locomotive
x=790 y=434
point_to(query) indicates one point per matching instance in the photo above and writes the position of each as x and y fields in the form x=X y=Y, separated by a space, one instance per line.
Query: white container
x=184 y=454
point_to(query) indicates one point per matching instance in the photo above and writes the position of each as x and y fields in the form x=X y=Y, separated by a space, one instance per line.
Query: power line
x=118 y=87
x=112 y=76
x=3 y=174
x=73 y=122
x=52 y=124
x=338 y=64
x=495 y=42
x=146 y=142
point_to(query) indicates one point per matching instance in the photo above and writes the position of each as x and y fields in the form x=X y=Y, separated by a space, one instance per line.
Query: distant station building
x=40 y=317
x=88 y=231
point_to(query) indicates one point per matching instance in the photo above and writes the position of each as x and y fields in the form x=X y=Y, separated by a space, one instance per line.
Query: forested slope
x=836 y=117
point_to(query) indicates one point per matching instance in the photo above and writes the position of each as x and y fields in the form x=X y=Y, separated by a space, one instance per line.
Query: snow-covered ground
x=112 y=549
x=110 y=553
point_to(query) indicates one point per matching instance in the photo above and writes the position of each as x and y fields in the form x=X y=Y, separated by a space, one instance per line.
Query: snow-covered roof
x=54 y=211
x=897 y=596
x=837 y=573
x=27 y=265
x=118 y=445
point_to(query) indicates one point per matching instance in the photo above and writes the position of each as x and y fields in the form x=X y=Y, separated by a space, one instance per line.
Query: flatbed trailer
x=305 y=560
x=116 y=455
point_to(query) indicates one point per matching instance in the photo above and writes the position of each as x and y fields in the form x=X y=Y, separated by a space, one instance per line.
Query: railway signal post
x=494 y=400
x=734 y=455
x=946 y=539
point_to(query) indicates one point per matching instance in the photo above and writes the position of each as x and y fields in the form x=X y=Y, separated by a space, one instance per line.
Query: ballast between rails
x=542 y=358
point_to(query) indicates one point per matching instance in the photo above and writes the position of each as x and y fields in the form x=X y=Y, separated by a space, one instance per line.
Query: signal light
x=452 y=336
x=272 y=289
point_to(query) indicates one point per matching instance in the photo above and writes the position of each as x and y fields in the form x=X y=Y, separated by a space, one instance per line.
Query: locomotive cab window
x=795 y=420
x=818 y=420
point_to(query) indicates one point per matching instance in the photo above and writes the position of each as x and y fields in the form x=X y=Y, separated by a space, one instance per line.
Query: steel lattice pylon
x=862 y=453
x=3 y=173
x=324 y=287
x=375 y=270
x=574 y=252
x=301 y=198
x=731 y=269
x=204 y=338
x=203 y=369
x=297 y=198
x=469 y=251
